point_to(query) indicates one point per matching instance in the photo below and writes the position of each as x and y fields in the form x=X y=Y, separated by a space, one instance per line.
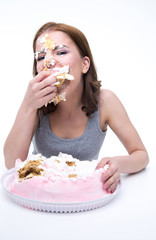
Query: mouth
x=63 y=77
x=63 y=80
x=62 y=86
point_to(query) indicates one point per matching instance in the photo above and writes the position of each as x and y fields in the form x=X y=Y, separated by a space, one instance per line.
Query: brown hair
x=91 y=84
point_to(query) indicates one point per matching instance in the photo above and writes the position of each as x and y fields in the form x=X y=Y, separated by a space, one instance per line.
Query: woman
x=78 y=125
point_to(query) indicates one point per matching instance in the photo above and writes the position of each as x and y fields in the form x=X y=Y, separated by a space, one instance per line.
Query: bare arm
x=18 y=141
x=116 y=117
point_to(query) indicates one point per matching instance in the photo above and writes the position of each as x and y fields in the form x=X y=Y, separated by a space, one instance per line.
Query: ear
x=85 y=64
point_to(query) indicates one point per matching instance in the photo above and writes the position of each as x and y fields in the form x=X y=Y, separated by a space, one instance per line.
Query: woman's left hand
x=111 y=177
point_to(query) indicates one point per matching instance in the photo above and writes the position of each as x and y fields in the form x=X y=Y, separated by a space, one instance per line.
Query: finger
x=40 y=76
x=113 y=179
x=48 y=81
x=113 y=187
x=110 y=172
x=46 y=99
x=103 y=162
x=37 y=82
x=47 y=90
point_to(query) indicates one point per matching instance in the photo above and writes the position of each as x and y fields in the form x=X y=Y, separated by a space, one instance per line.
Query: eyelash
x=61 y=53
x=40 y=58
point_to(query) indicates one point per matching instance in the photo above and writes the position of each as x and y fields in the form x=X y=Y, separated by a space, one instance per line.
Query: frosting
x=57 y=167
x=59 y=178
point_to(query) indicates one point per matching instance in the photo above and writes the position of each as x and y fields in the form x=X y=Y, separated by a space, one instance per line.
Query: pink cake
x=59 y=178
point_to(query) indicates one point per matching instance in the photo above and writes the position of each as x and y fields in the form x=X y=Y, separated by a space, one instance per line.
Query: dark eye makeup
x=62 y=52
x=40 y=58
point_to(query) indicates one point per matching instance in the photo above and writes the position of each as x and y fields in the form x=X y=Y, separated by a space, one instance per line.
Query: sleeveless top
x=85 y=147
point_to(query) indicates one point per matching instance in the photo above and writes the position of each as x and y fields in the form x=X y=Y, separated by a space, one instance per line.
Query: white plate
x=8 y=176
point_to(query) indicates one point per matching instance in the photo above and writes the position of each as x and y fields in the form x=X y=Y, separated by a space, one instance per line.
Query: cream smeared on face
x=49 y=51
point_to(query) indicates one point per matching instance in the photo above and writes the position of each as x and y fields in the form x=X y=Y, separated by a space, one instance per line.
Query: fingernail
x=104 y=179
x=54 y=84
x=109 y=190
x=105 y=187
x=98 y=167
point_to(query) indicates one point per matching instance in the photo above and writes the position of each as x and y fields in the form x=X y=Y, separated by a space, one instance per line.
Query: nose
x=49 y=60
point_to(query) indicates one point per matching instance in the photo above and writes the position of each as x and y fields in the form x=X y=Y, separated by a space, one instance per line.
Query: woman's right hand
x=40 y=90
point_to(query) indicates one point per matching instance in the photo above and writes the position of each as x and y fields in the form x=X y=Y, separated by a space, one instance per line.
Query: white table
x=130 y=216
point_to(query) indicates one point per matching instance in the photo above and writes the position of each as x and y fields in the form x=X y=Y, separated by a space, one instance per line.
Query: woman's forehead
x=54 y=38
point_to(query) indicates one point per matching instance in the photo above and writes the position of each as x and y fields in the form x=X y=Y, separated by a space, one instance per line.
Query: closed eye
x=40 y=58
x=61 y=53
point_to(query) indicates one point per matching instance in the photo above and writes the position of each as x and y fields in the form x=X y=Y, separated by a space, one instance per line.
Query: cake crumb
x=70 y=164
x=57 y=161
x=72 y=175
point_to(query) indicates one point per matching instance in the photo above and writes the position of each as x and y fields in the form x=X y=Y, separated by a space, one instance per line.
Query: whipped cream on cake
x=59 y=178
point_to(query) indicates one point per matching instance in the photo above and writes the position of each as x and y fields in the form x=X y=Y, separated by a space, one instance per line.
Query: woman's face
x=62 y=51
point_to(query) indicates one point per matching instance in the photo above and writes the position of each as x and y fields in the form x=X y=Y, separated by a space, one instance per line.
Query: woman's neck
x=70 y=106
x=73 y=103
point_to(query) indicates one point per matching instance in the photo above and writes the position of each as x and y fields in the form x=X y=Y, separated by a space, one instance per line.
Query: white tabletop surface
x=130 y=216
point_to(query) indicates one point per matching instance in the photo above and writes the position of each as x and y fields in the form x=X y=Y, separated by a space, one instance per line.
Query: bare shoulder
x=108 y=100
x=110 y=106
x=107 y=96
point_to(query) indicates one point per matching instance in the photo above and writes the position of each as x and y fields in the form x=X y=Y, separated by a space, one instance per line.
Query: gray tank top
x=85 y=147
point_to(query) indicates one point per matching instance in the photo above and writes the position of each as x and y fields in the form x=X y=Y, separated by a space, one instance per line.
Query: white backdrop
x=122 y=36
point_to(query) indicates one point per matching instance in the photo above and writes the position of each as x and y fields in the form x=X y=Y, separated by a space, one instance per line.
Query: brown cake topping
x=71 y=164
x=57 y=161
x=30 y=170
x=72 y=175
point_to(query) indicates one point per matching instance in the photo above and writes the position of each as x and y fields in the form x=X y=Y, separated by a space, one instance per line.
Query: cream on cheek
x=40 y=67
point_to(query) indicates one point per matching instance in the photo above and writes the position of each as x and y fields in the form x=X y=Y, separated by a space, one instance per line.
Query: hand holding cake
x=41 y=90
x=111 y=178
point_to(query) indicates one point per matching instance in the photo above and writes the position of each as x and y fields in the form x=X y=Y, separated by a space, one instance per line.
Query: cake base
x=8 y=176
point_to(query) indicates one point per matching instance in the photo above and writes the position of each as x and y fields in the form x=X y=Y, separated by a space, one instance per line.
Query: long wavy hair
x=91 y=84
